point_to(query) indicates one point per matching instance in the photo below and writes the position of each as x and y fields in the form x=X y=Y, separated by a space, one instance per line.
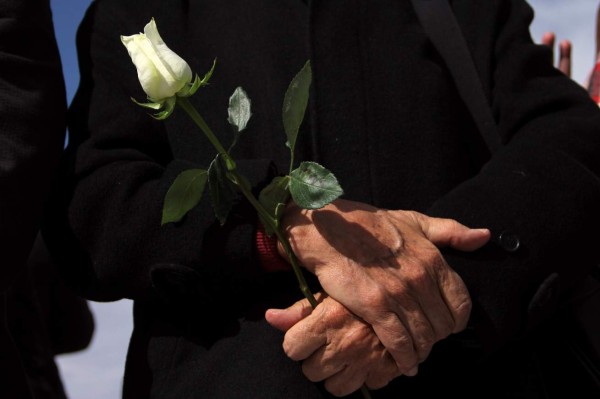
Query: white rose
x=161 y=72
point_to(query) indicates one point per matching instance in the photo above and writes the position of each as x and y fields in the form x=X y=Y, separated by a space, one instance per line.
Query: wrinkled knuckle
x=420 y=278
x=415 y=216
x=375 y=299
x=432 y=259
x=424 y=345
x=463 y=313
x=398 y=290
x=336 y=313
x=290 y=349
x=464 y=307
x=402 y=342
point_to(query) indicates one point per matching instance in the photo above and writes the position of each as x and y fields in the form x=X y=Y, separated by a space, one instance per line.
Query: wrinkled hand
x=384 y=267
x=335 y=346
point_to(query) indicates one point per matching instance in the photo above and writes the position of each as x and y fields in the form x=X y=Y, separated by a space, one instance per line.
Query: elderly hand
x=335 y=346
x=384 y=267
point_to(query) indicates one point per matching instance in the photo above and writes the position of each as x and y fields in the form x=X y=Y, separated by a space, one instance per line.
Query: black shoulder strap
x=440 y=24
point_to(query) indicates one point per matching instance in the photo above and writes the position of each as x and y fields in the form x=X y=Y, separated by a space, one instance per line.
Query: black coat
x=385 y=117
x=32 y=129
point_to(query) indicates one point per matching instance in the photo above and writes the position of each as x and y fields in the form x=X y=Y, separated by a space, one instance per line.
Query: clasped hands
x=388 y=297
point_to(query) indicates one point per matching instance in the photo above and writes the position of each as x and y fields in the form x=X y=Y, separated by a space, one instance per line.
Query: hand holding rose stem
x=167 y=80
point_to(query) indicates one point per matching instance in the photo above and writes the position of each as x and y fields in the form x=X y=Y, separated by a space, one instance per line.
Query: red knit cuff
x=270 y=260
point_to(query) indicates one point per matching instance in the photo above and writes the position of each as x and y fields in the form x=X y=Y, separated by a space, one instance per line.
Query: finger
x=396 y=338
x=438 y=312
x=548 y=39
x=564 y=64
x=321 y=365
x=383 y=372
x=450 y=233
x=305 y=337
x=284 y=319
x=457 y=298
x=419 y=326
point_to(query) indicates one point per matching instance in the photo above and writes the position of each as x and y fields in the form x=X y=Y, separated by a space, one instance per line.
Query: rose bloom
x=161 y=72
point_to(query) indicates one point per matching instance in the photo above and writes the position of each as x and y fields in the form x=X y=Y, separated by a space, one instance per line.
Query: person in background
x=564 y=60
x=32 y=131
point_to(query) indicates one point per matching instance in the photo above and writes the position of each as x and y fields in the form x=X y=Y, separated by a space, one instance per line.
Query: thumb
x=284 y=319
x=450 y=233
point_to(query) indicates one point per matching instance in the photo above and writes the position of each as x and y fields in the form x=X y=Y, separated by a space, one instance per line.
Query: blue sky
x=67 y=15
x=96 y=373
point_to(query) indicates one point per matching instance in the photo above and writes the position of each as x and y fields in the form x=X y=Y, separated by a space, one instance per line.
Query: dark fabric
x=386 y=118
x=67 y=319
x=32 y=128
x=441 y=28
x=46 y=319
x=31 y=336
x=14 y=379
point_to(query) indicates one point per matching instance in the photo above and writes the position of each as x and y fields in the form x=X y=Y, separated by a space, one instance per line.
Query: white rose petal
x=161 y=72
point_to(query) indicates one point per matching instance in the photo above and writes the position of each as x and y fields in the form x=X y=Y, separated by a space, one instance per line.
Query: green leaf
x=273 y=198
x=294 y=104
x=183 y=195
x=222 y=190
x=312 y=186
x=239 y=112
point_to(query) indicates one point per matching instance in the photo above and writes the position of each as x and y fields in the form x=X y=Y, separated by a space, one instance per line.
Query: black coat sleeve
x=32 y=125
x=542 y=186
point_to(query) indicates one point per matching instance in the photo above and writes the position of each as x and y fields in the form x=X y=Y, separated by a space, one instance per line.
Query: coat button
x=508 y=241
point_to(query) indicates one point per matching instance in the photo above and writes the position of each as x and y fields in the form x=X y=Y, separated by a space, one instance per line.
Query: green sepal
x=295 y=103
x=208 y=74
x=169 y=106
x=222 y=190
x=190 y=88
x=151 y=105
x=273 y=198
x=183 y=195
x=312 y=186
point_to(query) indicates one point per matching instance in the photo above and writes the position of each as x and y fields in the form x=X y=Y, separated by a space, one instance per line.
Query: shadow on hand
x=353 y=240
